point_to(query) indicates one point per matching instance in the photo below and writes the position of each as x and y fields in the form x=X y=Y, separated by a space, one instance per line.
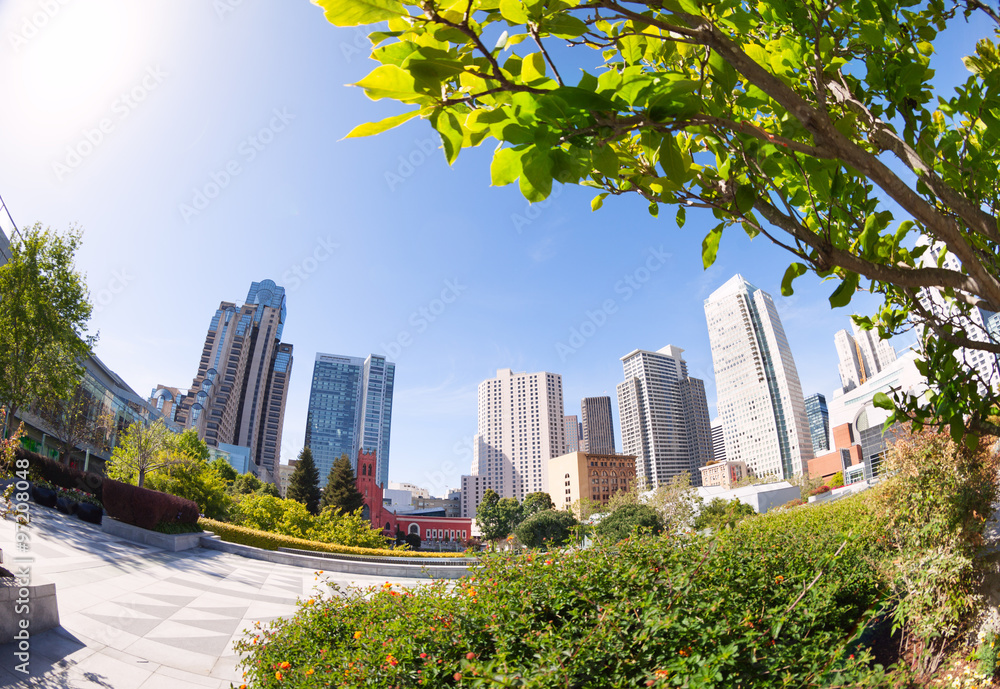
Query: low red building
x=429 y=528
x=846 y=453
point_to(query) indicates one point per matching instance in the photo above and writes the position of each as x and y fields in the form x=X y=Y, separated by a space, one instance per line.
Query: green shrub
x=627 y=520
x=273 y=541
x=745 y=608
x=837 y=480
x=548 y=528
x=719 y=513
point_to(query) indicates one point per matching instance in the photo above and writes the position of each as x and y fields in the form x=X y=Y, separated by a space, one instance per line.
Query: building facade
x=723 y=473
x=819 y=422
x=718 y=441
x=520 y=428
x=664 y=416
x=760 y=398
x=862 y=355
x=350 y=409
x=597 y=477
x=572 y=424
x=238 y=395
x=598 y=425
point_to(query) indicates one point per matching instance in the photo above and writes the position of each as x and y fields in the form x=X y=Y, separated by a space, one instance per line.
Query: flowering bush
x=749 y=607
x=820 y=490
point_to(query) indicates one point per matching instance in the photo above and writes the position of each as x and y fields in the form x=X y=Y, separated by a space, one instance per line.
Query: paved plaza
x=138 y=617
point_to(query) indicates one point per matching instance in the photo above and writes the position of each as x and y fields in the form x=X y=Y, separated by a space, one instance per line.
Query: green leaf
x=451 y=132
x=672 y=161
x=536 y=174
x=746 y=196
x=533 y=68
x=564 y=26
x=845 y=290
x=372 y=128
x=883 y=401
x=681 y=216
x=795 y=270
x=710 y=246
x=598 y=201
x=605 y=160
x=654 y=209
x=389 y=81
x=506 y=166
x=357 y=12
x=513 y=11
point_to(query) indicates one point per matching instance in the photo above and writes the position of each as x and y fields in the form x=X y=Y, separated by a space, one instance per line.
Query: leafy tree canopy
x=44 y=309
x=536 y=502
x=497 y=517
x=811 y=123
x=719 y=513
x=224 y=469
x=628 y=520
x=546 y=528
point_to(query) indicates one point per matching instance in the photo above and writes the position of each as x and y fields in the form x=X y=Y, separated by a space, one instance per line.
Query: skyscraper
x=759 y=394
x=238 y=395
x=819 y=423
x=350 y=409
x=718 y=441
x=598 y=425
x=520 y=428
x=572 y=424
x=862 y=355
x=664 y=416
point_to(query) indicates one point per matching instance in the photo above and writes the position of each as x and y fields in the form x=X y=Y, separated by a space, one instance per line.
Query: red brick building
x=432 y=529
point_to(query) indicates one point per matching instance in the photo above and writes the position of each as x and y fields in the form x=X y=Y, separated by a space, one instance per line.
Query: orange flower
x=285 y=665
x=278 y=676
x=457 y=676
x=470 y=656
x=309 y=671
x=392 y=661
x=778 y=579
x=357 y=635
x=310 y=601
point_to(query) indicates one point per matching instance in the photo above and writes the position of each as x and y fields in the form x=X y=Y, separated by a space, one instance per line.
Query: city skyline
x=459 y=277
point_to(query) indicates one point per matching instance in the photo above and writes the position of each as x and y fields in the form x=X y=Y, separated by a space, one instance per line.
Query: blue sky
x=176 y=96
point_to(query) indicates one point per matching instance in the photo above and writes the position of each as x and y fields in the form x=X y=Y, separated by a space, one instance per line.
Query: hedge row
x=273 y=541
x=62 y=475
x=146 y=508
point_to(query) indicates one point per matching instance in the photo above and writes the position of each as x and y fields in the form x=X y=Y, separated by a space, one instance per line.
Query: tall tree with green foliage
x=536 y=502
x=497 y=516
x=75 y=421
x=44 y=309
x=141 y=449
x=813 y=124
x=341 y=489
x=303 y=485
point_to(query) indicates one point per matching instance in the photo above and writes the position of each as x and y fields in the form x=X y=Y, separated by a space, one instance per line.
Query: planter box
x=45 y=497
x=173 y=542
x=42 y=613
x=89 y=513
x=66 y=506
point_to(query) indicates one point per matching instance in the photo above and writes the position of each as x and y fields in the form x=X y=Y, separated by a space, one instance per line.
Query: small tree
x=76 y=420
x=547 y=528
x=676 y=501
x=141 y=449
x=341 y=489
x=195 y=479
x=534 y=503
x=303 y=486
x=224 y=469
x=628 y=520
x=43 y=315
x=497 y=516
x=246 y=484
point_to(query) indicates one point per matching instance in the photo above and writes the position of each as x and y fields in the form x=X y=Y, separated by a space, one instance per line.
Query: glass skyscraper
x=819 y=423
x=350 y=408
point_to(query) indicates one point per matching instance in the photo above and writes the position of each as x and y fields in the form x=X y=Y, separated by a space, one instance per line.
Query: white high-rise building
x=521 y=427
x=759 y=394
x=979 y=325
x=664 y=416
x=862 y=355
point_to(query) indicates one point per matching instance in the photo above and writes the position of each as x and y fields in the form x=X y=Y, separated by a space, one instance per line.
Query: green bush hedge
x=776 y=601
x=273 y=541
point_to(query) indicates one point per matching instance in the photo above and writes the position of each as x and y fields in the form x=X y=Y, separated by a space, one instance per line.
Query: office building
x=862 y=355
x=664 y=416
x=723 y=473
x=718 y=441
x=819 y=422
x=520 y=428
x=597 y=477
x=572 y=424
x=350 y=409
x=760 y=398
x=238 y=394
x=598 y=425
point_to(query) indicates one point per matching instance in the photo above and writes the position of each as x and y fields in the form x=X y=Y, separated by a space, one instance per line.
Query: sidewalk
x=138 y=617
